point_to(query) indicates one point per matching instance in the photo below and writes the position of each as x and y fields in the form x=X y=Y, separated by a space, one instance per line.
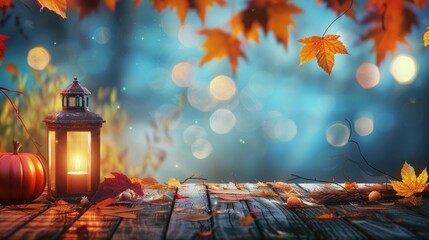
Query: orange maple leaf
x=410 y=184
x=340 y=6
x=5 y=4
x=182 y=7
x=219 y=44
x=391 y=23
x=426 y=37
x=57 y=6
x=323 y=48
x=85 y=7
x=111 y=4
x=269 y=15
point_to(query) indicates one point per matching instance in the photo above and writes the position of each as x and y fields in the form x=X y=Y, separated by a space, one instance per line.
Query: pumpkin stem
x=16 y=146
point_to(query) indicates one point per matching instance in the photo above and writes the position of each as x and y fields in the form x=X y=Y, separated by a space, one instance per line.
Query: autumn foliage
x=387 y=24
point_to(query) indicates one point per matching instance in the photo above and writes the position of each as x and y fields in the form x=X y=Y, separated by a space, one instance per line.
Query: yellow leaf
x=322 y=48
x=261 y=184
x=426 y=37
x=410 y=184
x=247 y=220
x=172 y=182
x=58 y=6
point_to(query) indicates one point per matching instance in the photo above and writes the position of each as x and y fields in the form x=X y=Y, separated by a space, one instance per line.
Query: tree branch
x=193 y=177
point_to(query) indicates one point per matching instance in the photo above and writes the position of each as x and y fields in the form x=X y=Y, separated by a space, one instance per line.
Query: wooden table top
x=272 y=219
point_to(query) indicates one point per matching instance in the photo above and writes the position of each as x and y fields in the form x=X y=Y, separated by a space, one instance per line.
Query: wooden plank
x=227 y=216
x=274 y=219
x=412 y=220
x=51 y=223
x=152 y=221
x=13 y=217
x=196 y=202
x=424 y=209
x=92 y=225
x=373 y=223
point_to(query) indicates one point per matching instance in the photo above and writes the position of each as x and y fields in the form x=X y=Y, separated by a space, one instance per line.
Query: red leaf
x=112 y=187
x=178 y=196
x=2 y=45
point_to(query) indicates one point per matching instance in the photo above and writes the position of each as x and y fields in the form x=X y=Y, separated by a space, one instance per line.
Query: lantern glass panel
x=72 y=102
x=78 y=161
x=51 y=157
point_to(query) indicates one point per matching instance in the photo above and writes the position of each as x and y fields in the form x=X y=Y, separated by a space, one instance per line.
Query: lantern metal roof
x=75 y=89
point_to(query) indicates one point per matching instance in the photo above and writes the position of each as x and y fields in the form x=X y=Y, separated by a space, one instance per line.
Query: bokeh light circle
x=183 y=74
x=188 y=36
x=275 y=126
x=38 y=58
x=404 y=69
x=201 y=148
x=222 y=121
x=192 y=133
x=364 y=126
x=102 y=35
x=222 y=88
x=338 y=134
x=368 y=75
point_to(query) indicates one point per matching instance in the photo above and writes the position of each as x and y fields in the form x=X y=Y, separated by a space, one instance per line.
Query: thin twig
x=383 y=15
x=363 y=156
x=318 y=180
x=351 y=5
x=35 y=144
x=193 y=177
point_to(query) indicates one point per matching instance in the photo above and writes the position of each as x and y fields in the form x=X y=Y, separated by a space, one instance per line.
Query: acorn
x=374 y=196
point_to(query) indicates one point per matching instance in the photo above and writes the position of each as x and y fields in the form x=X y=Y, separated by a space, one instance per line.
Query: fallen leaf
x=112 y=187
x=411 y=201
x=216 y=211
x=264 y=193
x=179 y=209
x=57 y=6
x=196 y=217
x=340 y=6
x=12 y=69
x=269 y=15
x=282 y=186
x=220 y=44
x=247 y=220
x=178 y=196
x=251 y=211
x=122 y=215
x=261 y=185
x=231 y=197
x=106 y=202
x=323 y=48
x=182 y=7
x=172 y=182
x=325 y=216
x=198 y=207
x=426 y=37
x=23 y=207
x=350 y=185
x=205 y=233
x=410 y=184
x=2 y=45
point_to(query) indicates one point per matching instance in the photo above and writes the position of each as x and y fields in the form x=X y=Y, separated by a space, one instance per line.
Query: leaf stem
x=351 y=5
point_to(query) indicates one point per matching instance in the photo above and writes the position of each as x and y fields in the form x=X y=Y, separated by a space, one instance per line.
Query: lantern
x=73 y=146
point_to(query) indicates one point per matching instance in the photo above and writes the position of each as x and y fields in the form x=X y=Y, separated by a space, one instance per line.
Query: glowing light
x=188 y=36
x=77 y=165
x=183 y=74
x=404 y=69
x=200 y=98
x=368 y=75
x=250 y=100
x=201 y=148
x=192 y=133
x=364 y=126
x=222 y=88
x=102 y=35
x=222 y=121
x=338 y=134
x=38 y=58
x=287 y=129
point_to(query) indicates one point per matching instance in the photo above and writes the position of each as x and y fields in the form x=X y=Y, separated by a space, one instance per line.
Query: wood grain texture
x=274 y=219
x=50 y=223
x=196 y=202
x=373 y=223
x=227 y=220
x=14 y=217
x=151 y=222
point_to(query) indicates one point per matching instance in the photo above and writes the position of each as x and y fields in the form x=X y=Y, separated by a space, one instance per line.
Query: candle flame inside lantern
x=77 y=165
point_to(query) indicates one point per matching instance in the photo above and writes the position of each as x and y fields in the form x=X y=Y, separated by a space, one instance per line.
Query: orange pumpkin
x=22 y=176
